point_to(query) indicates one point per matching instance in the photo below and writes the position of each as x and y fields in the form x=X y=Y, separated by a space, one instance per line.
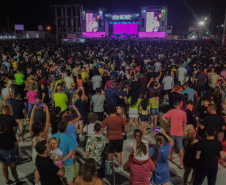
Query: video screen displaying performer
x=92 y=20
x=152 y=23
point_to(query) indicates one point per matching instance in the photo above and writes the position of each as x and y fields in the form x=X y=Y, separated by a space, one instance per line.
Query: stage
x=139 y=35
x=150 y=22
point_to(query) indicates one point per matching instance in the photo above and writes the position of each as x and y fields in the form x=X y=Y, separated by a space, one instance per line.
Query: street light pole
x=223 y=35
x=217 y=32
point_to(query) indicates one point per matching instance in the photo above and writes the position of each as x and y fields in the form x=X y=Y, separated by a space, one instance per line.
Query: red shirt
x=178 y=118
x=114 y=127
x=42 y=81
x=139 y=174
x=143 y=82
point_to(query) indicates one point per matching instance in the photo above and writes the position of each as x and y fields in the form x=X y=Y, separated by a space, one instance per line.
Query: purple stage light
x=93 y=34
x=152 y=34
x=123 y=35
x=125 y=28
x=113 y=36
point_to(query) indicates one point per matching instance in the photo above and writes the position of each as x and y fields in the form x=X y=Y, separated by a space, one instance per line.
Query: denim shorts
x=30 y=106
x=144 y=117
x=178 y=141
x=154 y=112
x=8 y=156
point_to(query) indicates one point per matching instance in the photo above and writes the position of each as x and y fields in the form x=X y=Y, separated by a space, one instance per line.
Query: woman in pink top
x=31 y=97
x=139 y=172
x=183 y=103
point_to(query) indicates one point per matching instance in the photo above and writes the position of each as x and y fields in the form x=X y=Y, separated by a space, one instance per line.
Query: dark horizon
x=181 y=13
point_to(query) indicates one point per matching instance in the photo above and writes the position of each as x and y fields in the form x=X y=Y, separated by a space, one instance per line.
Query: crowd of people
x=173 y=90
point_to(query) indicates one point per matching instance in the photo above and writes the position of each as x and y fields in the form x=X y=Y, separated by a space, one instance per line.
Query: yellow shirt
x=85 y=76
x=15 y=66
x=101 y=71
x=154 y=104
x=58 y=82
x=60 y=101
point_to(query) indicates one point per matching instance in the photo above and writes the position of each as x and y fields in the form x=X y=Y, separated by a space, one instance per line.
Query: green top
x=154 y=103
x=60 y=101
x=145 y=112
x=68 y=68
x=19 y=78
x=136 y=106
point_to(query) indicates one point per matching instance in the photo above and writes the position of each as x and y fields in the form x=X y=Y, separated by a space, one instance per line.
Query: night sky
x=181 y=13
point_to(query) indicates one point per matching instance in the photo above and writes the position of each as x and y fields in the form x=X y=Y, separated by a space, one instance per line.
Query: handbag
x=109 y=165
x=221 y=136
x=77 y=170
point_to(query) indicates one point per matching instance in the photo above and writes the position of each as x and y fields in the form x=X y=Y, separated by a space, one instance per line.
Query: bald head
x=5 y=109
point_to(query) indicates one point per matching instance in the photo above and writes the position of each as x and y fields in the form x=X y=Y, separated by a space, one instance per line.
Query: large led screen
x=92 y=23
x=125 y=28
x=152 y=22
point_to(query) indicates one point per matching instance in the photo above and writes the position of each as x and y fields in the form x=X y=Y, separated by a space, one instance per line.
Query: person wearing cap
x=178 y=120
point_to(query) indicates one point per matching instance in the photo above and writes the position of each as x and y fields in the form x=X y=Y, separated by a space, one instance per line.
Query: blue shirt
x=66 y=145
x=162 y=172
x=112 y=95
x=190 y=92
x=114 y=74
x=7 y=64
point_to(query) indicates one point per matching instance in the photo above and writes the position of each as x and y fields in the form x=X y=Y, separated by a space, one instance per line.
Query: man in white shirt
x=96 y=81
x=157 y=65
x=97 y=102
x=168 y=83
x=75 y=70
x=182 y=71
x=68 y=80
x=93 y=25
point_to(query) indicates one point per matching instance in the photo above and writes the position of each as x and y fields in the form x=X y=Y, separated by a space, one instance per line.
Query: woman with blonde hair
x=89 y=174
x=190 y=144
x=71 y=125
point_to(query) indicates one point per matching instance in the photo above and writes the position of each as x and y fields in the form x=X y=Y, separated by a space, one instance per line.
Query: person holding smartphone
x=160 y=154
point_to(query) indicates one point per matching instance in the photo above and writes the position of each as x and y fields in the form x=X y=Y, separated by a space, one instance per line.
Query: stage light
x=143 y=11
x=205 y=18
x=48 y=28
x=201 y=23
x=160 y=15
x=207 y=33
x=222 y=25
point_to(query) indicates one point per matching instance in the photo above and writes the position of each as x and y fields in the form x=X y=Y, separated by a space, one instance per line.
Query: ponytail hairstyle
x=67 y=117
x=144 y=104
x=141 y=148
x=159 y=138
